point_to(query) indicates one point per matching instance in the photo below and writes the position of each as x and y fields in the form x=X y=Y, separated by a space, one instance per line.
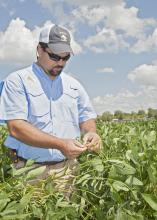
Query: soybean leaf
x=3 y=203
x=118 y=185
x=11 y=217
x=122 y=215
x=133 y=181
x=130 y=156
x=151 y=137
x=151 y=200
x=29 y=163
x=99 y=214
x=21 y=171
x=83 y=178
x=122 y=167
x=152 y=172
x=25 y=200
x=35 y=172
x=97 y=164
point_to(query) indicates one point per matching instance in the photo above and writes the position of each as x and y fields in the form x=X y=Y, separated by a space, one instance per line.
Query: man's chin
x=55 y=73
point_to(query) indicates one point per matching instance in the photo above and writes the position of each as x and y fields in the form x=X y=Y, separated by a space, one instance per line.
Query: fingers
x=87 y=139
x=78 y=144
x=78 y=148
x=75 y=152
x=94 y=141
x=94 y=145
x=72 y=148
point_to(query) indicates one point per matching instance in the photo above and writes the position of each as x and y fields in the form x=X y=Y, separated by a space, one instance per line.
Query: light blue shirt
x=53 y=106
x=1 y=87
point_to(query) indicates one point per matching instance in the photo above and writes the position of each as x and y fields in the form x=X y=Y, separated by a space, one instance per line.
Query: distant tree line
x=120 y=115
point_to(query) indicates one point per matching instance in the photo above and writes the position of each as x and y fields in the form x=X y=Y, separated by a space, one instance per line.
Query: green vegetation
x=118 y=184
x=133 y=116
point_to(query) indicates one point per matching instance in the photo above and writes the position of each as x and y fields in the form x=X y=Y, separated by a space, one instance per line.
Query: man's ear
x=38 y=51
x=37 y=54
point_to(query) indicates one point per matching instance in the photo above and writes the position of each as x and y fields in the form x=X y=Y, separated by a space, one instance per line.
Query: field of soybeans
x=119 y=183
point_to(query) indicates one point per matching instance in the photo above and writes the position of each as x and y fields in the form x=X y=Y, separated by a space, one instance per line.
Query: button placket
x=53 y=117
x=52 y=109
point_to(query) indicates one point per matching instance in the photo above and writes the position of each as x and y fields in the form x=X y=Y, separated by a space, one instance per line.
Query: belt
x=15 y=159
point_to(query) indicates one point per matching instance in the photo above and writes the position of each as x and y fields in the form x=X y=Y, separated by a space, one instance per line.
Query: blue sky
x=115 y=45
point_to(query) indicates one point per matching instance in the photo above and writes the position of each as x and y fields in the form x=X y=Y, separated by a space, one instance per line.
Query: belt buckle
x=13 y=155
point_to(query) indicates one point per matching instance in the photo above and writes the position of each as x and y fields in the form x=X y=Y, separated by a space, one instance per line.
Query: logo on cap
x=64 y=37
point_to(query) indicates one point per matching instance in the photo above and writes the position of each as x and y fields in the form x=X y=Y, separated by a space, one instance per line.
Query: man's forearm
x=88 y=126
x=31 y=135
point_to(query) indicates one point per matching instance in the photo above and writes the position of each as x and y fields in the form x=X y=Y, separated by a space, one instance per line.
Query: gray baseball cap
x=57 y=38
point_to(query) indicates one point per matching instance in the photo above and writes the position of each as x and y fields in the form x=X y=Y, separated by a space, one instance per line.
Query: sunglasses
x=56 y=57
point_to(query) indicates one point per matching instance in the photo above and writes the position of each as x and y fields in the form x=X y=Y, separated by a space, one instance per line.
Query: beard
x=55 y=71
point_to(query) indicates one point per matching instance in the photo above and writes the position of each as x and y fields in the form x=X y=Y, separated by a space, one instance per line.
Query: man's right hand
x=72 y=148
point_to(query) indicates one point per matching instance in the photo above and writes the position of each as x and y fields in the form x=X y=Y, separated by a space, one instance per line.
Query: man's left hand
x=92 y=141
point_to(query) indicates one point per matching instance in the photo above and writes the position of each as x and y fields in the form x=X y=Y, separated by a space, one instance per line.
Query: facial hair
x=55 y=71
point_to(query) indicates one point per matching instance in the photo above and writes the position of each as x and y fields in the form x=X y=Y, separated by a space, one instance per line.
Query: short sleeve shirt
x=56 y=107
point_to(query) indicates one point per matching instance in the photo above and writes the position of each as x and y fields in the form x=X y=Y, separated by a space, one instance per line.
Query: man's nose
x=61 y=62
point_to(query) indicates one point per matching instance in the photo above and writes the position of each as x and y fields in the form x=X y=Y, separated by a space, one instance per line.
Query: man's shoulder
x=19 y=74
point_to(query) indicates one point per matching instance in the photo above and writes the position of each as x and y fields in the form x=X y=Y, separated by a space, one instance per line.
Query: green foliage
x=126 y=116
x=118 y=183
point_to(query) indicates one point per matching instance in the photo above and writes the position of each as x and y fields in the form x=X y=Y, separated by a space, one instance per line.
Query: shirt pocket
x=39 y=104
x=39 y=110
x=68 y=107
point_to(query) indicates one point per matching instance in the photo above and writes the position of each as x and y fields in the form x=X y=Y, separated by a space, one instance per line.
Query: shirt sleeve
x=13 y=101
x=85 y=108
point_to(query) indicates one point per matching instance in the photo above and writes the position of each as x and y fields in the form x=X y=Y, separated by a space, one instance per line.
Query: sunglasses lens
x=54 y=57
x=57 y=58
x=66 y=58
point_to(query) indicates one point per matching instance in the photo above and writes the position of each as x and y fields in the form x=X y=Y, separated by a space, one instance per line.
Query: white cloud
x=93 y=2
x=126 y=101
x=144 y=75
x=77 y=49
x=18 y=43
x=127 y=20
x=49 y=3
x=105 y=41
x=113 y=16
x=154 y=62
x=145 y=44
x=91 y=15
x=106 y=70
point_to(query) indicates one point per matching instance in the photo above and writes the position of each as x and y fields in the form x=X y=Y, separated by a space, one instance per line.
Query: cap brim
x=60 y=48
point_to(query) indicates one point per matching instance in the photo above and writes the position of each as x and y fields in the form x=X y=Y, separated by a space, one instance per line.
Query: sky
x=114 y=42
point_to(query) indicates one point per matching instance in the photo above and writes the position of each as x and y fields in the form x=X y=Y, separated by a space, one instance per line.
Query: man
x=45 y=109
